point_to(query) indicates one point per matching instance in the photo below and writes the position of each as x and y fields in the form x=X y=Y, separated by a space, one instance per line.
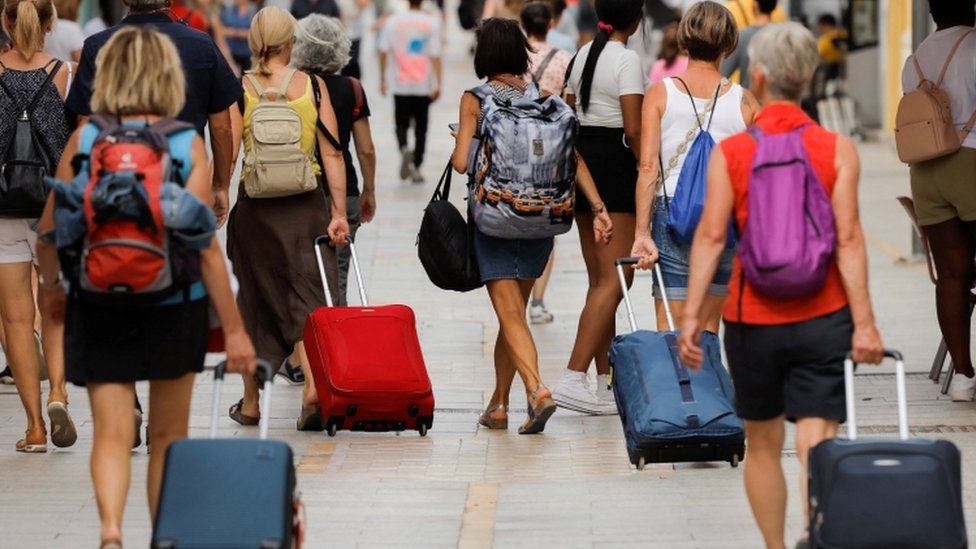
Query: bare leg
x=810 y=432
x=953 y=249
x=17 y=312
x=764 y=479
x=508 y=297
x=113 y=431
x=597 y=321
x=52 y=340
x=504 y=367
x=309 y=395
x=539 y=289
x=252 y=397
x=169 y=422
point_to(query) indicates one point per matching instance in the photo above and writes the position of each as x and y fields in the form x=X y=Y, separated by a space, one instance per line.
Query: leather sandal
x=311 y=418
x=111 y=544
x=540 y=410
x=246 y=420
x=486 y=419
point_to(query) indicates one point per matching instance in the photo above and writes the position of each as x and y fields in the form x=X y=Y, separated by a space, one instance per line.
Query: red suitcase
x=367 y=365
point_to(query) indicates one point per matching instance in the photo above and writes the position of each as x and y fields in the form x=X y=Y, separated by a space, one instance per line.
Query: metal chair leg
x=948 y=378
x=939 y=362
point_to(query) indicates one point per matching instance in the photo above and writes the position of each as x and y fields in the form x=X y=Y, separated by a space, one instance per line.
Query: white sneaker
x=573 y=393
x=538 y=314
x=605 y=393
x=406 y=163
x=416 y=175
x=962 y=388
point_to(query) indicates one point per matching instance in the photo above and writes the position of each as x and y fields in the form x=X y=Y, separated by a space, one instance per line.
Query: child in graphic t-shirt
x=413 y=39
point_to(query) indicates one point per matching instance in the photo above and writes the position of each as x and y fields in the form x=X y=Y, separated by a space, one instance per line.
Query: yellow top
x=304 y=106
x=827 y=45
x=745 y=15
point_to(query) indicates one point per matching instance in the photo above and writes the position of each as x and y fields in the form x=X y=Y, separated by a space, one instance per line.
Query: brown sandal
x=245 y=420
x=540 y=410
x=491 y=422
x=311 y=418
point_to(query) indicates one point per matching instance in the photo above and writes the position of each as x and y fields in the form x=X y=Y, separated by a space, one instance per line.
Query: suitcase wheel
x=735 y=460
x=641 y=462
x=333 y=429
x=423 y=429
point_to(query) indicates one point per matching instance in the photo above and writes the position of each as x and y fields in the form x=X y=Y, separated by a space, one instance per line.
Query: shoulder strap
x=170 y=126
x=286 y=83
x=537 y=75
x=569 y=71
x=483 y=91
x=357 y=92
x=258 y=88
x=691 y=98
x=47 y=80
x=317 y=95
x=952 y=54
x=970 y=124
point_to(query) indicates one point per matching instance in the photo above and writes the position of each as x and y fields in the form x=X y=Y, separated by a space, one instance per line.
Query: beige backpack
x=924 y=126
x=276 y=164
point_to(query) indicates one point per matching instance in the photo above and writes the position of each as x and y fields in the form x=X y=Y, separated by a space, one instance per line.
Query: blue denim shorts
x=515 y=259
x=674 y=260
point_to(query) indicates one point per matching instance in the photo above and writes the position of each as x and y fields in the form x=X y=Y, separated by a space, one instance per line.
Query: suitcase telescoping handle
x=320 y=259
x=630 y=306
x=265 y=375
x=902 y=398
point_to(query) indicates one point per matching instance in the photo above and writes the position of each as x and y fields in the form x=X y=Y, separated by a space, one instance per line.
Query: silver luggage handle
x=265 y=372
x=630 y=306
x=325 y=239
x=899 y=382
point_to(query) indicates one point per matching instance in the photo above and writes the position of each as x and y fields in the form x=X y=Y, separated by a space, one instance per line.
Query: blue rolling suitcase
x=229 y=493
x=885 y=494
x=670 y=413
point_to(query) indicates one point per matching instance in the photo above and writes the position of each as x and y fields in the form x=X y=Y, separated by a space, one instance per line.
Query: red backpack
x=127 y=252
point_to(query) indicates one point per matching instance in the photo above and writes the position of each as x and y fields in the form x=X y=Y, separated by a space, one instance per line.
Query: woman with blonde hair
x=110 y=347
x=269 y=238
x=675 y=111
x=34 y=83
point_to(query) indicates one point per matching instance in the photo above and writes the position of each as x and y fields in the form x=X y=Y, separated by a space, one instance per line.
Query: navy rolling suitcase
x=670 y=413
x=229 y=493
x=885 y=494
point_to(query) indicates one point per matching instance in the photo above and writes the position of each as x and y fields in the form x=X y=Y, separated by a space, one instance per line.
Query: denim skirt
x=504 y=258
x=674 y=258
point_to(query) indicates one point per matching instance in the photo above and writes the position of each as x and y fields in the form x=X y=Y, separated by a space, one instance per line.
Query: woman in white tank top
x=671 y=114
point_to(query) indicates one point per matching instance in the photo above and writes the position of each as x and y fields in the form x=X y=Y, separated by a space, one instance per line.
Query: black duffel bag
x=444 y=243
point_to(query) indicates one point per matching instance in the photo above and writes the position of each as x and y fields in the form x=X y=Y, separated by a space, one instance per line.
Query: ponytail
x=24 y=21
x=271 y=30
x=613 y=15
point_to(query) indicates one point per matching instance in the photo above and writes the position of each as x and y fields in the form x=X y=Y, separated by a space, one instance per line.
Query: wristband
x=599 y=209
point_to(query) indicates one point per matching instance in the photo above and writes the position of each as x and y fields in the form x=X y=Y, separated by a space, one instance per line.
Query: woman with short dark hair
x=509 y=267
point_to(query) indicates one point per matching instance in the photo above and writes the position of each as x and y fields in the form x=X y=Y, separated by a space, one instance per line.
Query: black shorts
x=613 y=167
x=791 y=369
x=112 y=345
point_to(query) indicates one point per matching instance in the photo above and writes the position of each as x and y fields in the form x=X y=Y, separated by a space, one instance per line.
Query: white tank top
x=679 y=119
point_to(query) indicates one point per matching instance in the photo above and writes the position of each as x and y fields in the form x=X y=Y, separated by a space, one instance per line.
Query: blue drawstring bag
x=685 y=207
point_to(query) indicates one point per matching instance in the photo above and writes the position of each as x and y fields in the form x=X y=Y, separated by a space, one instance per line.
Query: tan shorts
x=18 y=240
x=945 y=188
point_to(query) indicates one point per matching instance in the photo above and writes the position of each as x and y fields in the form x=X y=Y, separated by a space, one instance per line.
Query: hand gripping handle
x=899 y=382
x=620 y=263
x=319 y=258
x=265 y=375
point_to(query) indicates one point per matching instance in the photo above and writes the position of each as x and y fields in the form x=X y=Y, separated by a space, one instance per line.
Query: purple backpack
x=789 y=236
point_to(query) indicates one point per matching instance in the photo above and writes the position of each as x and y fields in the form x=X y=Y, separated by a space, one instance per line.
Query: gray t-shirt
x=739 y=59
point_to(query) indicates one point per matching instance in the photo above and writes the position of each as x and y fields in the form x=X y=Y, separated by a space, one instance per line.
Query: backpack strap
x=952 y=54
x=317 y=95
x=280 y=90
x=690 y=136
x=537 y=75
x=360 y=97
x=48 y=80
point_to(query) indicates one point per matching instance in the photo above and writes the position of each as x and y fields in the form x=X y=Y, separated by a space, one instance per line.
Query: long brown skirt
x=270 y=242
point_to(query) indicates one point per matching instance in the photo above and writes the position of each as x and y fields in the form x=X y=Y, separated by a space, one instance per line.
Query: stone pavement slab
x=461 y=486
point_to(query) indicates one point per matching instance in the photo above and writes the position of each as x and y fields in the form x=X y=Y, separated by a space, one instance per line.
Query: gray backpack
x=276 y=164
x=523 y=165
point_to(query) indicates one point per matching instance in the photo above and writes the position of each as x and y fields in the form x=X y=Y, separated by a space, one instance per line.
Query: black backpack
x=26 y=162
x=444 y=243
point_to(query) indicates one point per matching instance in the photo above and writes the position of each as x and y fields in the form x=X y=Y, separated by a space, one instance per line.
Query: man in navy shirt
x=211 y=87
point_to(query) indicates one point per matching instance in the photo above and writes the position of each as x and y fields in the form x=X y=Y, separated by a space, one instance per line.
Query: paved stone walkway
x=572 y=486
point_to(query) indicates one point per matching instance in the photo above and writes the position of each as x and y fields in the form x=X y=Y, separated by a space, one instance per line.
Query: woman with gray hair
x=322 y=48
x=786 y=354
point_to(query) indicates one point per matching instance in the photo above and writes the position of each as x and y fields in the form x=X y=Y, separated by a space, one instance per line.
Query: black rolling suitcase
x=885 y=494
x=224 y=493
